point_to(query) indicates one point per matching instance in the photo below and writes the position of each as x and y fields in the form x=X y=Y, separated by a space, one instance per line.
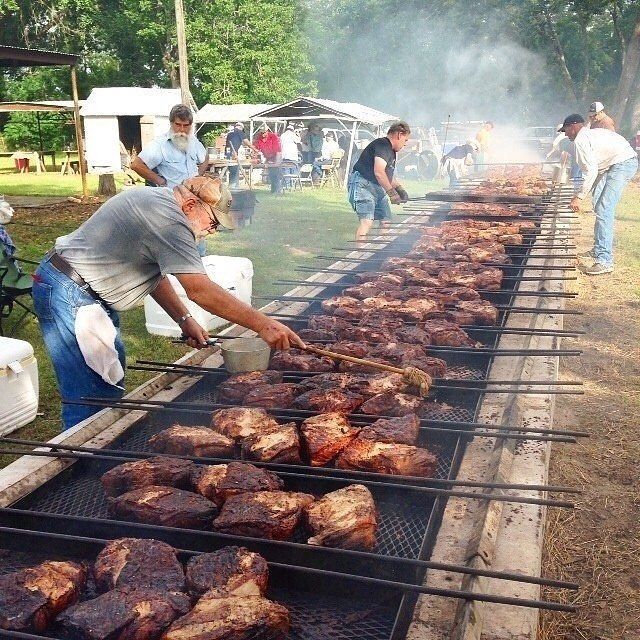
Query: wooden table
x=66 y=167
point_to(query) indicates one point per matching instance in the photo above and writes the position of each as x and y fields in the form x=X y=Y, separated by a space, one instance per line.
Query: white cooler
x=233 y=274
x=18 y=384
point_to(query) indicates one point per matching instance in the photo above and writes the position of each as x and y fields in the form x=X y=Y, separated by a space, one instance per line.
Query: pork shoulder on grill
x=391 y=404
x=124 y=614
x=234 y=570
x=372 y=385
x=31 y=598
x=266 y=514
x=140 y=564
x=448 y=334
x=235 y=388
x=219 y=616
x=325 y=400
x=315 y=335
x=164 y=506
x=297 y=360
x=272 y=396
x=325 y=436
x=484 y=312
x=166 y=472
x=278 y=444
x=241 y=422
x=192 y=441
x=345 y=518
x=392 y=458
x=404 y=430
x=327 y=323
x=220 y=481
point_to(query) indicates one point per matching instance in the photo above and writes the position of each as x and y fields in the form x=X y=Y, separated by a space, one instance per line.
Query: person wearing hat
x=121 y=254
x=268 y=144
x=608 y=163
x=598 y=119
x=236 y=140
x=457 y=162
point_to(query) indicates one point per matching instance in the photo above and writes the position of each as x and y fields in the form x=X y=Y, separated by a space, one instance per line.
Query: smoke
x=423 y=69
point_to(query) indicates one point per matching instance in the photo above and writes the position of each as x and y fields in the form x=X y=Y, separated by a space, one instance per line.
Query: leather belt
x=66 y=269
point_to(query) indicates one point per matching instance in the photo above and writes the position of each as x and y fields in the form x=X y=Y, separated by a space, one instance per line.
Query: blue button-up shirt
x=175 y=166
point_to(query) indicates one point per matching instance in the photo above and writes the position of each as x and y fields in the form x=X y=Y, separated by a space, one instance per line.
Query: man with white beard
x=175 y=155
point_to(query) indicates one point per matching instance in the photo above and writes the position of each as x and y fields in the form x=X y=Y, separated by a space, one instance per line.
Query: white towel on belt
x=96 y=337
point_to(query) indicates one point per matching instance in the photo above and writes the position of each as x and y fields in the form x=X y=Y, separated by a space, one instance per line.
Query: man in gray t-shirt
x=116 y=258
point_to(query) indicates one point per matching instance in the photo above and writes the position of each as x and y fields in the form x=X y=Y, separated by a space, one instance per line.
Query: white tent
x=228 y=113
x=129 y=115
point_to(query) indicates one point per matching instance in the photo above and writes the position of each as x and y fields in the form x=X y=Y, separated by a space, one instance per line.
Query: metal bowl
x=245 y=354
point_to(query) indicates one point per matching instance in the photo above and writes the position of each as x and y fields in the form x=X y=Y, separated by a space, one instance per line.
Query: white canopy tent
x=229 y=113
x=350 y=116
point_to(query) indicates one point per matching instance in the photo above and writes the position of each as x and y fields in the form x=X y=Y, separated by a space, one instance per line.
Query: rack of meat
x=305 y=501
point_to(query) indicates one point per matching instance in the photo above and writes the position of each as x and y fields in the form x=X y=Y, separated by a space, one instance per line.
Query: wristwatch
x=184 y=318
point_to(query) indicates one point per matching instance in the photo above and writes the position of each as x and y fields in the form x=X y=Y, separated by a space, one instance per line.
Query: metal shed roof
x=230 y=112
x=21 y=57
x=42 y=105
x=305 y=108
x=130 y=101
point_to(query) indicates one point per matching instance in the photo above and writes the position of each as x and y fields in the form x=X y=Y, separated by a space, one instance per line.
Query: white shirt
x=597 y=150
x=329 y=146
x=289 y=142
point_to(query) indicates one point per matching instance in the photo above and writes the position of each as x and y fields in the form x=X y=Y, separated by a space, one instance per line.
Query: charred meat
x=272 y=396
x=404 y=430
x=328 y=400
x=325 y=436
x=192 y=441
x=241 y=422
x=391 y=404
x=235 y=388
x=297 y=360
x=279 y=444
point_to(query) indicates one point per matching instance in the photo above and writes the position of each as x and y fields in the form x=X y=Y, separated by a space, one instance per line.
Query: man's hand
x=404 y=196
x=160 y=181
x=394 y=196
x=278 y=336
x=575 y=204
x=196 y=336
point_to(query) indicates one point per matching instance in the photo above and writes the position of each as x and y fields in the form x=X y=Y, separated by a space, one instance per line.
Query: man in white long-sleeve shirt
x=608 y=163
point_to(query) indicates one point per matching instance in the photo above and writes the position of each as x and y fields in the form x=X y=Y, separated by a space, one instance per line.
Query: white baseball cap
x=596 y=107
x=290 y=127
x=239 y=125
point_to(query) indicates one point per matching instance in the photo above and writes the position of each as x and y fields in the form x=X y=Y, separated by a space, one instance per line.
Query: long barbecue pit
x=344 y=480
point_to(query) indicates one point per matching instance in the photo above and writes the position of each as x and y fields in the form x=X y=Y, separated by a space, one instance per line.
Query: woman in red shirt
x=268 y=143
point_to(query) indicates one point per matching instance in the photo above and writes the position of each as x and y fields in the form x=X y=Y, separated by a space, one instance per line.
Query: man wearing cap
x=459 y=159
x=608 y=164
x=268 y=144
x=598 y=119
x=236 y=139
x=372 y=184
x=122 y=253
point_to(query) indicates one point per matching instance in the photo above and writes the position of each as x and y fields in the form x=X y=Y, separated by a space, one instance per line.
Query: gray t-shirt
x=129 y=243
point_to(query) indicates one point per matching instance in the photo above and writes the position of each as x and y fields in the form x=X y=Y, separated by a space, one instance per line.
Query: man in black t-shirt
x=372 y=179
x=236 y=139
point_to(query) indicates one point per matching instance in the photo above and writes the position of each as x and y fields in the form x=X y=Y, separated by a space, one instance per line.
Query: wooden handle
x=340 y=356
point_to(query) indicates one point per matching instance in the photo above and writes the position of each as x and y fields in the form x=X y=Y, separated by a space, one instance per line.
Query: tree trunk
x=633 y=110
x=558 y=52
x=106 y=185
x=628 y=76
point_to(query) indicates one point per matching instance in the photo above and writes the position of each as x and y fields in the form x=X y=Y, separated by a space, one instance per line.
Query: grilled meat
x=297 y=360
x=404 y=430
x=192 y=441
x=325 y=436
x=435 y=367
x=328 y=381
x=266 y=514
x=234 y=570
x=345 y=518
x=392 y=458
x=447 y=334
x=484 y=312
x=124 y=614
x=164 y=506
x=240 y=422
x=391 y=404
x=372 y=385
x=325 y=400
x=272 y=396
x=350 y=348
x=139 y=564
x=412 y=335
x=31 y=598
x=166 y=472
x=219 y=616
x=220 y=481
x=316 y=335
x=327 y=323
x=279 y=444
x=343 y=307
x=235 y=388
x=396 y=353
x=354 y=333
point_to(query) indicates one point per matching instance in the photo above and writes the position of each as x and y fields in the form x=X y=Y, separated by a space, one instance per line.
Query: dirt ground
x=598 y=543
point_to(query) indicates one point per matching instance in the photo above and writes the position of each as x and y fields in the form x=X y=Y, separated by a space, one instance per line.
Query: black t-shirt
x=234 y=142
x=459 y=152
x=379 y=148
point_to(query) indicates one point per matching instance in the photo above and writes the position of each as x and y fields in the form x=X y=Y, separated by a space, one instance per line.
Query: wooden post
x=353 y=135
x=182 y=54
x=78 y=124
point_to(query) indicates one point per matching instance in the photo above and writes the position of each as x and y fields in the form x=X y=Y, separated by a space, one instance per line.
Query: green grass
x=287 y=231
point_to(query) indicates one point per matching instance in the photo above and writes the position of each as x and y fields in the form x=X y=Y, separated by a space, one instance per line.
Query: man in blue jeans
x=122 y=253
x=372 y=184
x=608 y=164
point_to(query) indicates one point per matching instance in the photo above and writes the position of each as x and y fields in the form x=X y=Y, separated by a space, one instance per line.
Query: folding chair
x=14 y=285
x=330 y=171
x=306 y=171
x=290 y=175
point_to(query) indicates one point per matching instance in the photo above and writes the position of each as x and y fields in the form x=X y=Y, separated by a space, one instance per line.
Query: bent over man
x=372 y=184
x=111 y=262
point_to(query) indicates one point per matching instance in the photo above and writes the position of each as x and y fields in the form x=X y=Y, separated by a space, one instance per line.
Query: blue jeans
x=56 y=300
x=368 y=199
x=275 y=179
x=606 y=195
x=234 y=174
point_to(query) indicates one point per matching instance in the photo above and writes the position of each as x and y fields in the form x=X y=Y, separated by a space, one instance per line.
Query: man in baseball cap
x=598 y=119
x=117 y=257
